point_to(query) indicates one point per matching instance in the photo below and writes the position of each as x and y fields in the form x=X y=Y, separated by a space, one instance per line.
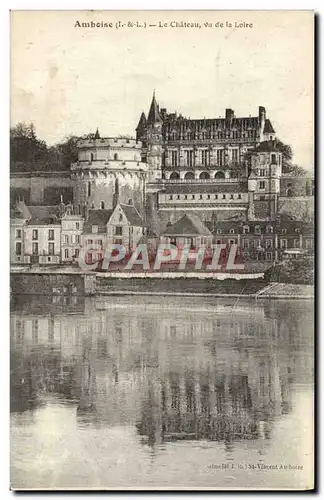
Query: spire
x=142 y=122
x=154 y=115
x=97 y=135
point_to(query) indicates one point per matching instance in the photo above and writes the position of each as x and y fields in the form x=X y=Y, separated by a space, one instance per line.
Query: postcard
x=162 y=250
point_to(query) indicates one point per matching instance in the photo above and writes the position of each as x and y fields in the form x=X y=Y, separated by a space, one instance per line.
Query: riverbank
x=65 y=282
x=273 y=291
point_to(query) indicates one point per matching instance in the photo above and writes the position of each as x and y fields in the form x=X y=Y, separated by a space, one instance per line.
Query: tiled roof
x=142 y=122
x=174 y=122
x=51 y=221
x=132 y=215
x=154 y=115
x=212 y=187
x=189 y=224
x=266 y=146
x=43 y=212
x=268 y=128
x=23 y=210
x=97 y=218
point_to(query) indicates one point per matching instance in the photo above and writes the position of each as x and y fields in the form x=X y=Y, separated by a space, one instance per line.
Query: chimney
x=116 y=194
x=262 y=114
x=229 y=114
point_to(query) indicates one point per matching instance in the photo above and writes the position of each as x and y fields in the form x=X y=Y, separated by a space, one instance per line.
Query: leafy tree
x=25 y=148
x=66 y=152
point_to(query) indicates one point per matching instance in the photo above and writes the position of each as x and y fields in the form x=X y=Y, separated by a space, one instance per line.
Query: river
x=153 y=392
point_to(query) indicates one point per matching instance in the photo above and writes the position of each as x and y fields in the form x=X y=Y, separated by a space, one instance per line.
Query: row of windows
x=75 y=238
x=68 y=226
x=51 y=248
x=205 y=157
x=206 y=196
x=74 y=253
x=202 y=175
x=50 y=234
x=257 y=230
x=115 y=156
x=221 y=134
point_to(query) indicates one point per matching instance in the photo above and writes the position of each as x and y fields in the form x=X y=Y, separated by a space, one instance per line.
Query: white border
x=4 y=198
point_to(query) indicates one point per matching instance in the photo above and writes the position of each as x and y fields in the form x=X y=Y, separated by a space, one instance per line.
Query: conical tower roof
x=142 y=122
x=154 y=115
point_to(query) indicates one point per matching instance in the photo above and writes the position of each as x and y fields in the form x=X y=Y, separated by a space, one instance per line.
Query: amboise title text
x=162 y=24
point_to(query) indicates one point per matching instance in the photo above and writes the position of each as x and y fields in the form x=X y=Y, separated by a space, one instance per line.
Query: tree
x=286 y=151
x=26 y=150
x=29 y=154
x=66 y=152
x=287 y=155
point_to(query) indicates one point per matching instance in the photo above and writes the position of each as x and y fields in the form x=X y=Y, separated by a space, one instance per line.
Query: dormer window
x=219 y=231
x=246 y=229
x=232 y=231
x=257 y=230
x=284 y=231
x=297 y=230
x=269 y=229
x=274 y=159
x=94 y=229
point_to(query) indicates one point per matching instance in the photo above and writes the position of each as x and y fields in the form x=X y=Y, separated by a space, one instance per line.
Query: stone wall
x=40 y=189
x=131 y=186
x=43 y=284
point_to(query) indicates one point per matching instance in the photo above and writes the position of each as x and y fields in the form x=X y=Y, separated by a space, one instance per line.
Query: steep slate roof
x=142 y=122
x=43 y=212
x=171 y=121
x=215 y=187
x=154 y=115
x=266 y=146
x=22 y=209
x=132 y=215
x=188 y=225
x=268 y=128
x=98 y=218
x=37 y=214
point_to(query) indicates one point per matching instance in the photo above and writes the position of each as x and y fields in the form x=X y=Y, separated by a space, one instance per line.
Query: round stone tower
x=102 y=161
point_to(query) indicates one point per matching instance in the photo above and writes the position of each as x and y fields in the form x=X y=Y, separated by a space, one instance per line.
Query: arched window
x=189 y=175
x=175 y=175
x=289 y=192
x=204 y=175
x=115 y=156
x=219 y=175
x=102 y=205
x=269 y=229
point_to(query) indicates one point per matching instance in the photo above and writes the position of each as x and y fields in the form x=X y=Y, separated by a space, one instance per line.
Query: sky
x=71 y=80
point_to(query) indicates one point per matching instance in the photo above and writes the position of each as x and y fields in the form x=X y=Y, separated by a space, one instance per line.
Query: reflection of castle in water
x=179 y=370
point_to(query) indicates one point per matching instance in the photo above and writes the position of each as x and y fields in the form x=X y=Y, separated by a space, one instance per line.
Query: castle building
x=229 y=165
x=102 y=161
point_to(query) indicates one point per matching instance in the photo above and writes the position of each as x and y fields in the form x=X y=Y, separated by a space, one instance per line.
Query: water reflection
x=174 y=370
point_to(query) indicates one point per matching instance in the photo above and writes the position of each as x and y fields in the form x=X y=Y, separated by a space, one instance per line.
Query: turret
x=154 y=140
x=154 y=113
x=141 y=128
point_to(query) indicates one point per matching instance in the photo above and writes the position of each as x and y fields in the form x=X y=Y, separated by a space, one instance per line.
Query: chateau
x=211 y=171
